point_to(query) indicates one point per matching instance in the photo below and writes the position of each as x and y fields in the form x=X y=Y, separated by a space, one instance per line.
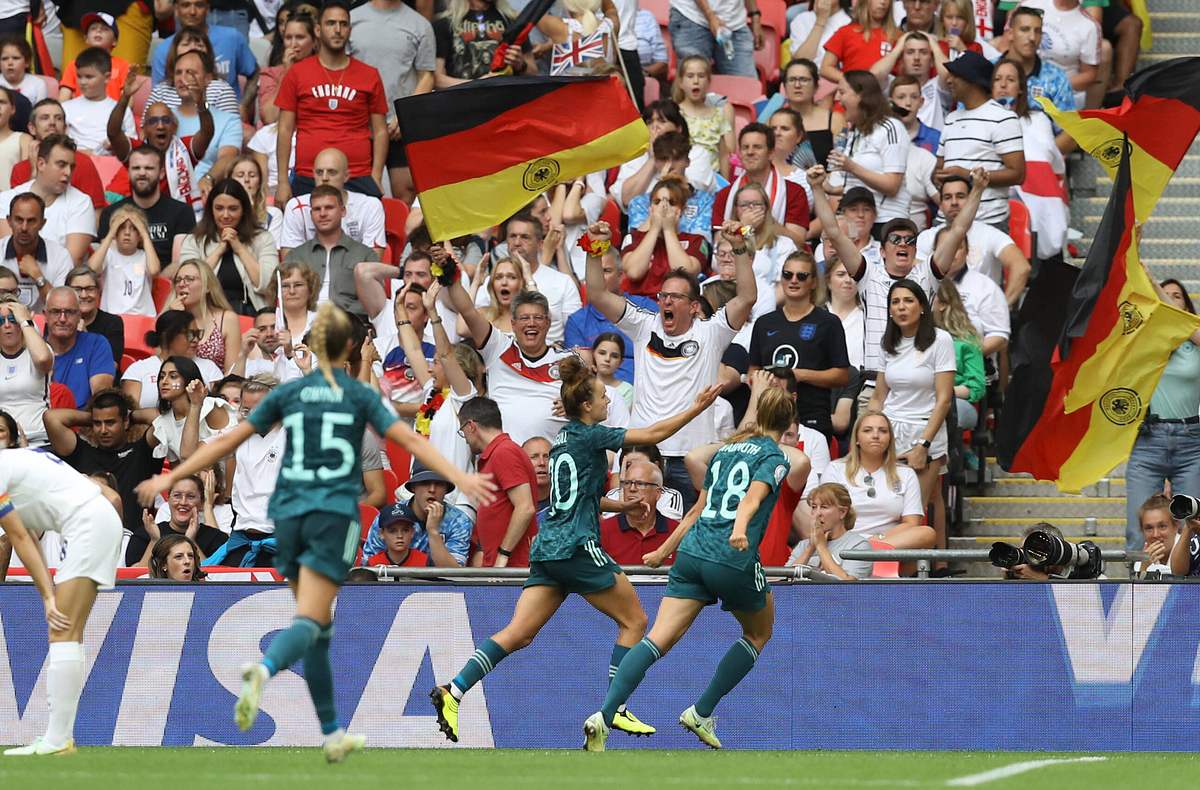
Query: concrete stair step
x=986 y=541
x=1168 y=206
x=996 y=473
x=1048 y=508
x=1021 y=486
x=1006 y=528
x=1172 y=43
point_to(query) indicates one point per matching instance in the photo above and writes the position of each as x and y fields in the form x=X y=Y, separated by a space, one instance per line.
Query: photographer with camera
x=1044 y=554
x=1185 y=555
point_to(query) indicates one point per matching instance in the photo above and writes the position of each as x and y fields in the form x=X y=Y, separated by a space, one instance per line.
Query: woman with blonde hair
x=969 y=379
x=955 y=28
x=716 y=558
x=473 y=30
x=831 y=534
x=506 y=281
x=197 y=291
x=709 y=116
x=860 y=44
x=581 y=26
x=886 y=495
x=299 y=287
x=315 y=507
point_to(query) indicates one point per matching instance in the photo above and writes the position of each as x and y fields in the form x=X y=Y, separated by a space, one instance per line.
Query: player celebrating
x=40 y=493
x=566 y=556
x=717 y=559
x=315 y=508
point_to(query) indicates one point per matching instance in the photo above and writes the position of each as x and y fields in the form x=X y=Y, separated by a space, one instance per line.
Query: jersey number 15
x=297 y=470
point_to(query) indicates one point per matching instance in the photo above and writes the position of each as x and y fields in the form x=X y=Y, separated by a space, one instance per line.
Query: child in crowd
x=15 y=57
x=87 y=115
x=128 y=263
x=101 y=31
x=398 y=530
x=608 y=352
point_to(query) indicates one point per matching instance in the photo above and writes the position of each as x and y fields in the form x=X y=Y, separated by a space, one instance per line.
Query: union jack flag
x=577 y=51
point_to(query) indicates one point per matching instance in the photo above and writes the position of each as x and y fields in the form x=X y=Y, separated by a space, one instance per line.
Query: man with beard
x=166 y=218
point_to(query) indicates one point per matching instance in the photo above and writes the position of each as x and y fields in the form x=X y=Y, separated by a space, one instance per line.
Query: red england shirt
x=415 y=559
x=333 y=109
x=509 y=467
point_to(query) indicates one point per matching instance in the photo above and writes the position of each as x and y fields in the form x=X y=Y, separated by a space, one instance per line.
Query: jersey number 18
x=736 y=486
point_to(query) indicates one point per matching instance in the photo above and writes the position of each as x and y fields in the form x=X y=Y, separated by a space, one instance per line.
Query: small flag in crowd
x=576 y=52
x=517 y=33
x=481 y=151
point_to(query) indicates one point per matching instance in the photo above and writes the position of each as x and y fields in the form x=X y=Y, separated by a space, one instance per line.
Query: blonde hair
x=677 y=94
x=835 y=494
x=770 y=230
x=472 y=365
x=862 y=15
x=287 y=268
x=854 y=459
x=964 y=9
x=331 y=331
x=950 y=314
x=585 y=12
x=819 y=294
x=775 y=414
x=493 y=311
x=456 y=10
x=214 y=294
x=125 y=212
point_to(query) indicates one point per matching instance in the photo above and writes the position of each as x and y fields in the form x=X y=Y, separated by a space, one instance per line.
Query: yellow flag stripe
x=473 y=205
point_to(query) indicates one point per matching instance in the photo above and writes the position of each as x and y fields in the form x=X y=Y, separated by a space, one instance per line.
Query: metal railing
x=507 y=575
x=925 y=557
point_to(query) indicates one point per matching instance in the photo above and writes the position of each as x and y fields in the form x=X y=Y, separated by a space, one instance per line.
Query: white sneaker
x=40 y=748
x=704 y=729
x=595 y=733
x=340 y=744
x=254 y=677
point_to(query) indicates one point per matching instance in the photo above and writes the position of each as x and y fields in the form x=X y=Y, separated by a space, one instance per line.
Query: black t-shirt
x=739 y=398
x=209 y=539
x=113 y=329
x=815 y=342
x=853 y=387
x=468 y=46
x=130 y=465
x=165 y=219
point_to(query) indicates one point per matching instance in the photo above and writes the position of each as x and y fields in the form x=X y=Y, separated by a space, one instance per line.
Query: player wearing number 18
x=717 y=559
x=566 y=556
x=315 y=507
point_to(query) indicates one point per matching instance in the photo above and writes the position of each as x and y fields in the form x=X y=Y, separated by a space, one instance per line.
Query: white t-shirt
x=145 y=372
x=873 y=287
x=627 y=14
x=363 y=221
x=169 y=431
x=884 y=150
x=87 y=123
x=984 y=245
x=803 y=24
x=732 y=13
x=559 y=290
x=31 y=86
x=524 y=388
x=850 y=541
x=985 y=305
x=443 y=432
x=55 y=268
x=933 y=111
x=44 y=490
x=263 y=142
x=259 y=459
x=853 y=326
x=814 y=444
x=593 y=205
x=71 y=212
x=672 y=370
x=127 y=287
x=918 y=181
x=1069 y=39
x=882 y=512
x=979 y=138
x=24 y=393
x=910 y=376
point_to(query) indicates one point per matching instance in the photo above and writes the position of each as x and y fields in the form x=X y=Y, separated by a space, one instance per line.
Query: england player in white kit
x=40 y=493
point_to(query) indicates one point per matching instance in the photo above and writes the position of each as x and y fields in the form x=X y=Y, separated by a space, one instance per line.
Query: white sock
x=64 y=685
x=455 y=691
x=336 y=735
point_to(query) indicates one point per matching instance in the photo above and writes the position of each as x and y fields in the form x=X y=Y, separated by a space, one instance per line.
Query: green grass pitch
x=300 y=769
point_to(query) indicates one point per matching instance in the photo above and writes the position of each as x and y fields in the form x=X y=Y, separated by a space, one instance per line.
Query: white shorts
x=909 y=433
x=91 y=544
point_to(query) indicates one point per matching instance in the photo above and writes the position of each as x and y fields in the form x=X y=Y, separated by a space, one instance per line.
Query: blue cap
x=397 y=512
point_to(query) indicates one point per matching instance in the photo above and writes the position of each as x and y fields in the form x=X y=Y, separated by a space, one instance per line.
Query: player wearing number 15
x=566 y=556
x=315 y=507
x=717 y=559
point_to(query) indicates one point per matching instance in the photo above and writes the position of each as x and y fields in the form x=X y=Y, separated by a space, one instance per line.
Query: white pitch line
x=1016 y=768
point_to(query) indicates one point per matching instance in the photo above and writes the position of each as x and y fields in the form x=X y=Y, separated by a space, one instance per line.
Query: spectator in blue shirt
x=443 y=531
x=231 y=51
x=83 y=362
x=672 y=155
x=195 y=69
x=652 y=50
x=1044 y=77
x=584 y=325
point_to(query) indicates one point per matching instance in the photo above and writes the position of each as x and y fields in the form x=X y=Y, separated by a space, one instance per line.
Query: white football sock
x=64 y=685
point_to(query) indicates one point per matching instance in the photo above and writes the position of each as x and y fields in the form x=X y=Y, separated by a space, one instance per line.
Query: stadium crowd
x=173 y=214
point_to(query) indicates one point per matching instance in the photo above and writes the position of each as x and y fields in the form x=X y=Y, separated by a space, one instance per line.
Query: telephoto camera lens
x=1043 y=549
x=1184 y=507
x=1007 y=556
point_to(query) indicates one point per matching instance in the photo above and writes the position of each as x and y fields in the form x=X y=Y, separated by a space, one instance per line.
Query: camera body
x=1043 y=549
x=1184 y=507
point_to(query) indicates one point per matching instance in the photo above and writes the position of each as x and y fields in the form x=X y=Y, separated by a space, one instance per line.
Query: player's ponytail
x=577 y=387
x=331 y=332
x=776 y=412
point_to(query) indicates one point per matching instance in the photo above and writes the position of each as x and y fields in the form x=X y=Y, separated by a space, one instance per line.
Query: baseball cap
x=857 y=195
x=397 y=512
x=99 y=16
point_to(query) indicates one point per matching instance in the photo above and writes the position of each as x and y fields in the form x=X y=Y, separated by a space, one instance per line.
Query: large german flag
x=1160 y=116
x=1116 y=342
x=481 y=151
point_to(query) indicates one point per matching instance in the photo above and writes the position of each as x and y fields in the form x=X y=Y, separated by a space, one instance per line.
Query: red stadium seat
x=775 y=30
x=774 y=16
x=653 y=91
x=660 y=8
x=400 y=460
x=739 y=90
x=61 y=397
x=392 y=482
x=126 y=361
x=884 y=570
x=136 y=327
x=395 y=214
x=366 y=516
x=161 y=288
x=51 y=85
x=1018 y=227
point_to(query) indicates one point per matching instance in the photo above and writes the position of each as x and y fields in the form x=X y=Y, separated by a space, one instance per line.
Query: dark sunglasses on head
x=801 y=276
x=902 y=241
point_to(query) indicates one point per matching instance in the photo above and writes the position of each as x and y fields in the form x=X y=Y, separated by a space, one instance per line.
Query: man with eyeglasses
x=676 y=354
x=40 y=264
x=505 y=528
x=83 y=362
x=151 y=190
x=86 y=285
x=629 y=536
x=588 y=323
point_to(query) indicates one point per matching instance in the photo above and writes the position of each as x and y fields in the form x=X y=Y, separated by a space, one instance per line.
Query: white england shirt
x=43 y=490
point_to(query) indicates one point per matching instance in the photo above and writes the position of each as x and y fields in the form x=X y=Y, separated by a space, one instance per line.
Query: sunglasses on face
x=157 y=120
x=798 y=276
x=193 y=335
x=10 y=318
x=901 y=241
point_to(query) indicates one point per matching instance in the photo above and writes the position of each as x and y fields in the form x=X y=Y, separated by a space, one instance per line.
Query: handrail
x=791 y=573
x=923 y=557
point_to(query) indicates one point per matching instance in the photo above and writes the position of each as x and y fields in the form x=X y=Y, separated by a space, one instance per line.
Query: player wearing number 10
x=566 y=556
x=315 y=508
x=717 y=559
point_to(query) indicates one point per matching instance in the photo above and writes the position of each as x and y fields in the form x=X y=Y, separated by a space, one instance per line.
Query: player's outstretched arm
x=664 y=429
x=30 y=555
x=746 y=510
x=202 y=459
x=659 y=555
x=479 y=488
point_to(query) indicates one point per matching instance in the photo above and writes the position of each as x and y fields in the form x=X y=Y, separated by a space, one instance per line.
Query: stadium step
x=1025 y=486
x=1007 y=528
x=1047 y=508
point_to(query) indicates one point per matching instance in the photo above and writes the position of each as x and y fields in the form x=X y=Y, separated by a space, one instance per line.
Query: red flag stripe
x=1145 y=126
x=562 y=119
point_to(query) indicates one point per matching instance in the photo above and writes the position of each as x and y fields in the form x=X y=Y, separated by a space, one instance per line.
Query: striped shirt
x=979 y=138
x=884 y=150
x=873 y=287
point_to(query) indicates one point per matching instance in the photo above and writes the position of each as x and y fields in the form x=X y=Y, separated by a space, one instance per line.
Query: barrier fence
x=930 y=665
